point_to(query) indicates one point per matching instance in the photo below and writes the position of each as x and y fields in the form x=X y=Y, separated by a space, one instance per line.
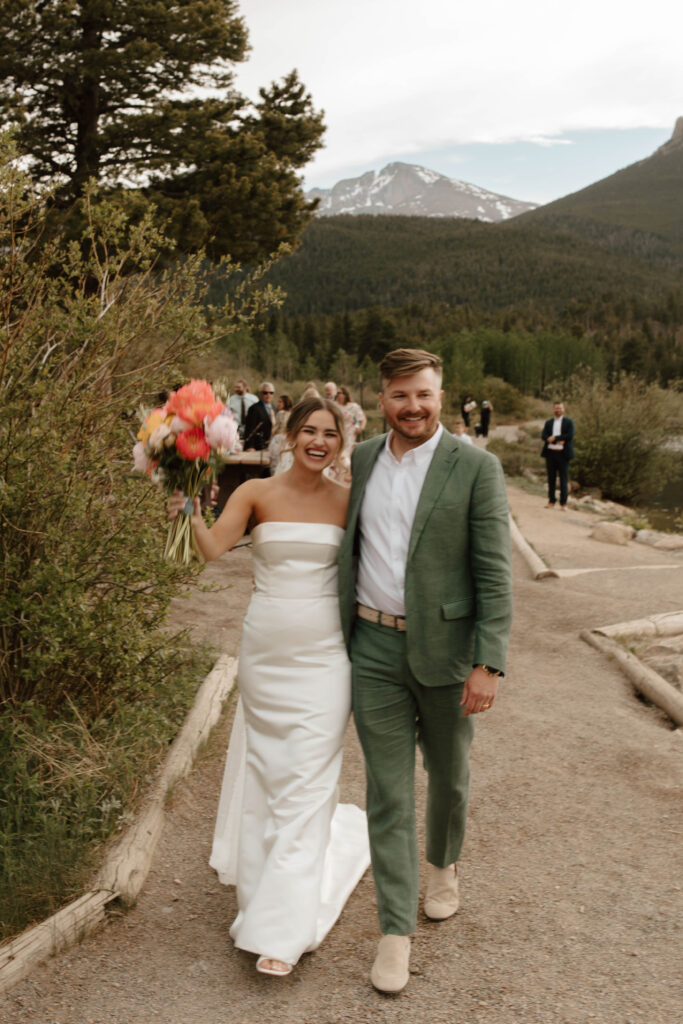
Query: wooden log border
x=539 y=570
x=128 y=861
x=666 y=624
x=648 y=682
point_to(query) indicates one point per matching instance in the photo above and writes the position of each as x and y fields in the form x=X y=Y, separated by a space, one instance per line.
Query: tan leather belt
x=381 y=618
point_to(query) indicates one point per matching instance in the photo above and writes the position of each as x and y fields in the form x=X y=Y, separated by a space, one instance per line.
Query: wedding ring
x=485 y=706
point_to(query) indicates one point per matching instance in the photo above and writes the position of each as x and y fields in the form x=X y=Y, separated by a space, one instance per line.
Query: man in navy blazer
x=258 y=425
x=558 y=434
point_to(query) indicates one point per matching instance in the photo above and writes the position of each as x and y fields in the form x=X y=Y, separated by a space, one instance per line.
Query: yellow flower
x=155 y=419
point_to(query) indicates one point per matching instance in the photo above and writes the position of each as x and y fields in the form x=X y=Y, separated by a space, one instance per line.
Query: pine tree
x=141 y=93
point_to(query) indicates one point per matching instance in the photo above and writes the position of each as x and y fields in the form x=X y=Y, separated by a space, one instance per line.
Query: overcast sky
x=532 y=99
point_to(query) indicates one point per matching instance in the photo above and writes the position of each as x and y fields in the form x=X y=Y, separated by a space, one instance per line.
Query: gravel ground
x=571 y=874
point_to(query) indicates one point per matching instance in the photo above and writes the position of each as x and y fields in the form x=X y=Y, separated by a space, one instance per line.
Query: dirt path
x=571 y=873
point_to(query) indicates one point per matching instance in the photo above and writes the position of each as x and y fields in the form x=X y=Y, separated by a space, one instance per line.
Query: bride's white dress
x=293 y=853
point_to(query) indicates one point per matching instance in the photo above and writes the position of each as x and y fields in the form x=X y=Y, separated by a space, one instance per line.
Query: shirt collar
x=417 y=455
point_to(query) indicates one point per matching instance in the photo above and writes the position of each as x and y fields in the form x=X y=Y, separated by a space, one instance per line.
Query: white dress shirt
x=386 y=520
x=235 y=403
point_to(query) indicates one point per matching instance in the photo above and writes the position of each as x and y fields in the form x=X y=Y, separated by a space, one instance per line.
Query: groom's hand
x=479 y=692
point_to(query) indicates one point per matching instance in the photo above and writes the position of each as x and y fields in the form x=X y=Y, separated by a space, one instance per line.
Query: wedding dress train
x=294 y=854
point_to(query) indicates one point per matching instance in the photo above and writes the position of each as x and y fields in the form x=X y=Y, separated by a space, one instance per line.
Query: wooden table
x=239 y=467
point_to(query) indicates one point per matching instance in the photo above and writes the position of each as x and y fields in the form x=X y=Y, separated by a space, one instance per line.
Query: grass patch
x=69 y=784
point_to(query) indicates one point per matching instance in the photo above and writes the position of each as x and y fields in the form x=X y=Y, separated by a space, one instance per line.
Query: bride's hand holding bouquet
x=182 y=446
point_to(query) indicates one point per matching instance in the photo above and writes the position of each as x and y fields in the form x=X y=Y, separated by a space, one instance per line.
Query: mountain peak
x=676 y=140
x=413 y=191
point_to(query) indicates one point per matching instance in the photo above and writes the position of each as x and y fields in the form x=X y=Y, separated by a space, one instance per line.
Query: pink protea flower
x=221 y=433
x=191 y=444
x=194 y=403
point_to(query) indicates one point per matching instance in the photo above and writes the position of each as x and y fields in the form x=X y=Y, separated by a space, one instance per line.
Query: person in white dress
x=294 y=854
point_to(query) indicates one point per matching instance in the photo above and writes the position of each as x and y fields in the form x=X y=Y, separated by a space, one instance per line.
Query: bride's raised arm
x=228 y=528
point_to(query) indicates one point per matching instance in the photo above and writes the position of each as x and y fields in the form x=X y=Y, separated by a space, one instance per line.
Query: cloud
x=396 y=78
x=546 y=141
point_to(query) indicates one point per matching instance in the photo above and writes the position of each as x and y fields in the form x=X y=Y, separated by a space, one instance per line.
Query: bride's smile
x=318 y=441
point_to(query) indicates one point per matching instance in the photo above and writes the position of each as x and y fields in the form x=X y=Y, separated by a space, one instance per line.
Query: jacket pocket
x=458 y=609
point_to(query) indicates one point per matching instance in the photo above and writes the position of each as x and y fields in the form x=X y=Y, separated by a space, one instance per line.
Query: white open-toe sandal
x=276 y=968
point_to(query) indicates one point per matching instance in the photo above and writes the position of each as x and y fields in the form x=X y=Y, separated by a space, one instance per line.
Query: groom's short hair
x=404 y=362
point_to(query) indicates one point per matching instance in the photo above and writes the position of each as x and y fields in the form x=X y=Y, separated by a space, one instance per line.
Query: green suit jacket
x=458 y=582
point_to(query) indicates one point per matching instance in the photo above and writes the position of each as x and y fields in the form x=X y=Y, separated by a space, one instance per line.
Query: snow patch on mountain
x=411 y=190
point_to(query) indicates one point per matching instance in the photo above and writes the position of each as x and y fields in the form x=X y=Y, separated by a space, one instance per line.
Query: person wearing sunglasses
x=260 y=420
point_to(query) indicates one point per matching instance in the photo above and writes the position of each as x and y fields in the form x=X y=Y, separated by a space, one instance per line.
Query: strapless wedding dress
x=293 y=853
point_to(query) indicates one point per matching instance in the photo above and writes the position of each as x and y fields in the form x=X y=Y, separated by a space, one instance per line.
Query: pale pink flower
x=178 y=425
x=141 y=460
x=221 y=433
x=158 y=437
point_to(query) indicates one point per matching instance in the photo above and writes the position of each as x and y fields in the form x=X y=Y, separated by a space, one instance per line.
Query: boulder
x=670 y=542
x=613 y=533
x=648 y=537
x=663 y=541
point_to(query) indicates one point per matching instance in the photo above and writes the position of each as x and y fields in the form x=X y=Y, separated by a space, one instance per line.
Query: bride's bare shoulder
x=338 y=494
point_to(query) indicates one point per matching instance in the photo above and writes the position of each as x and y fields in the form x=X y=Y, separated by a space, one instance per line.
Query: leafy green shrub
x=515 y=456
x=88 y=331
x=620 y=430
x=505 y=399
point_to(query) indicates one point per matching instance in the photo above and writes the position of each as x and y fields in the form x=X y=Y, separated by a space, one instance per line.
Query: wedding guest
x=485 y=417
x=460 y=431
x=353 y=416
x=558 y=449
x=281 y=457
x=467 y=406
x=330 y=390
x=260 y=420
x=240 y=402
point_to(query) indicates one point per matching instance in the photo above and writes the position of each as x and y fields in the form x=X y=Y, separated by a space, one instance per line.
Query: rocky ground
x=571 y=874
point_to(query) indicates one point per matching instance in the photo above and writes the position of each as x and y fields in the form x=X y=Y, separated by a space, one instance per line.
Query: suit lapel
x=442 y=463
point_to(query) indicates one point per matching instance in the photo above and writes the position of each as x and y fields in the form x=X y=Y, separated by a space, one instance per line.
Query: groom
x=426 y=603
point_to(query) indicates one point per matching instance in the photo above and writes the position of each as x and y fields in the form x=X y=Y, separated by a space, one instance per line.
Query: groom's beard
x=416 y=432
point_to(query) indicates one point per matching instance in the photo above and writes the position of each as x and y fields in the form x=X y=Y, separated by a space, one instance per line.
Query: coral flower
x=191 y=444
x=194 y=403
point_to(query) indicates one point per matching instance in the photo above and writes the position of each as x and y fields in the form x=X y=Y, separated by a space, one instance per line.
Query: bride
x=298 y=855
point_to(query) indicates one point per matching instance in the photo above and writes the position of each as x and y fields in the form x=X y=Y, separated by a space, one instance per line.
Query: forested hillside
x=593 y=281
x=347 y=263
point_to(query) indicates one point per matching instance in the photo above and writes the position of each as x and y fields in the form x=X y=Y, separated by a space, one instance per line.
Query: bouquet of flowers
x=182 y=445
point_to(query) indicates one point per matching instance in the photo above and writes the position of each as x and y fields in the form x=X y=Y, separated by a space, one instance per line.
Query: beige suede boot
x=390 y=969
x=441 y=897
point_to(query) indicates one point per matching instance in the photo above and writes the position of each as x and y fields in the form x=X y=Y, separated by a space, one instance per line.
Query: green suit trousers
x=393 y=712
